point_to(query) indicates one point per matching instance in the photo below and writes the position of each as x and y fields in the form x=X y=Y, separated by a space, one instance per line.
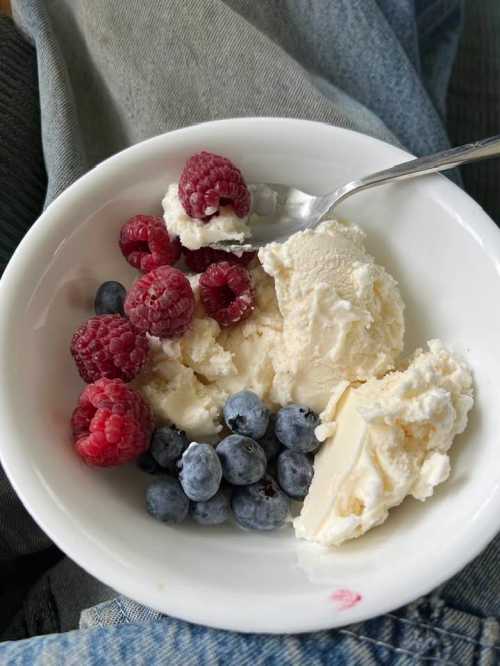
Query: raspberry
x=210 y=181
x=146 y=245
x=226 y=292
x=111 y=424
x=161 y=303
x=199 y=260
x=109 y=346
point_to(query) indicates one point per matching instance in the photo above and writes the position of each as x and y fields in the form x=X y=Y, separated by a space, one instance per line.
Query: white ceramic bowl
x=432 y=237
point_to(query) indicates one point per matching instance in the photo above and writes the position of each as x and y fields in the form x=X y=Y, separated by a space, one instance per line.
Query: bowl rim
x=78 y=545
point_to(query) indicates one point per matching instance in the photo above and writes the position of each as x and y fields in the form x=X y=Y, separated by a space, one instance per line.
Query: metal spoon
x=279 y=211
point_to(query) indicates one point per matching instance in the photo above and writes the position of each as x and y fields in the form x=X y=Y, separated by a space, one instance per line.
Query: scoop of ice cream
x=189 y=379
x=343 y=314
x=193 y=233
x=391 y=440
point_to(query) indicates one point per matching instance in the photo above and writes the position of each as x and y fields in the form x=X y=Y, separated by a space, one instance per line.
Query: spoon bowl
x=279 y=211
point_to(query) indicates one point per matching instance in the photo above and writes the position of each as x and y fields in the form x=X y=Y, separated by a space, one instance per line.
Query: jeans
x=111 y=74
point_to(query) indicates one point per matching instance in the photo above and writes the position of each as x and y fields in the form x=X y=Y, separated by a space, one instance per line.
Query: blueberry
x=261 y=506
x=269 y=442
x=147 y=463
x=165 y=500
x=214 y=511
x=246 y=414
x=167 y=446
x=295 y=428
x=109 y=298
x=201 y=472
x=243 y=460
x=295 y=473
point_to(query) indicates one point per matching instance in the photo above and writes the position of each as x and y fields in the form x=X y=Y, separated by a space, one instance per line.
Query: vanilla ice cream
x=390 y=440
x=342 y=313
x=193 y=233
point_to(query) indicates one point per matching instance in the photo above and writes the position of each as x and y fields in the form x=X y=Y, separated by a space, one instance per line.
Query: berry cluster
x=252 y=473
x=111 y=348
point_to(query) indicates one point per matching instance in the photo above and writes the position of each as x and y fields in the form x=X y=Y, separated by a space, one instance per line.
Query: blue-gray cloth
x=113 y=73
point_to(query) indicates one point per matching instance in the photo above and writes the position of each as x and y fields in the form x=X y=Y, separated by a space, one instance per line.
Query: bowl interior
x=444 y=252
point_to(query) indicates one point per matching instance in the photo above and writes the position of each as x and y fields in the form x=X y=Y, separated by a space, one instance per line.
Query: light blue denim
x=112 y=74
x=115 y=72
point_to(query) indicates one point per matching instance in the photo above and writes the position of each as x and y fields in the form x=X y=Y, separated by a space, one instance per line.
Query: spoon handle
x=447 y=159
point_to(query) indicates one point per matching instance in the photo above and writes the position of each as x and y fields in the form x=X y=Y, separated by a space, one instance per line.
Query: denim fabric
x=112 y=74
x=424 y=633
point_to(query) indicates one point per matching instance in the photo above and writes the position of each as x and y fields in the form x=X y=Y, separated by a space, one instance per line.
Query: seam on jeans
x=445 y=631
x=395 y=649
x=122 y=610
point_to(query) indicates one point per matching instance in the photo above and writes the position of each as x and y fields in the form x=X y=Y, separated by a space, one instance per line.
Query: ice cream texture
x=342 y=313
x=327 y=332
x=391 y=440
x=194 y=234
